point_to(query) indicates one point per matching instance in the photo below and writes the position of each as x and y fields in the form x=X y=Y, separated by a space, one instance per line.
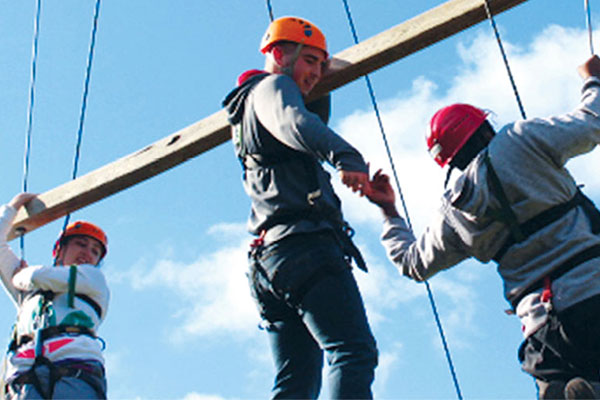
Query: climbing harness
x=270 y=9
x=88 y=72
x=32 y=81
x=397 y=180
x=521 y=231
x=504 y=58
x=588 y=22
x=44 y=330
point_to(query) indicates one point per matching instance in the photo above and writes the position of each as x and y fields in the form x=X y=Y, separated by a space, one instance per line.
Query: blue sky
x=181 y=324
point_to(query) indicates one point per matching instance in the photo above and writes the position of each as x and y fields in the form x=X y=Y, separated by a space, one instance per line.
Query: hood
x=235 y=100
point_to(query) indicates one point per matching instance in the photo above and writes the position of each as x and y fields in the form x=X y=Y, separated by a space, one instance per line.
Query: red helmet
x=451 y=127
x=82 y=228
x=293 y=29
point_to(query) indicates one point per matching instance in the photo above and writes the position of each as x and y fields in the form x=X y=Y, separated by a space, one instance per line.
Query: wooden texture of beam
x=348 y=65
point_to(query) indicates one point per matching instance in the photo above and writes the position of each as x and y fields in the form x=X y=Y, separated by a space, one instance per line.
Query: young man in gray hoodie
x=516 y=204
x=299 y=265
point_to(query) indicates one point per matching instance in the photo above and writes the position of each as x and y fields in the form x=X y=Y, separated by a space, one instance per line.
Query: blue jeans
x=307 y=295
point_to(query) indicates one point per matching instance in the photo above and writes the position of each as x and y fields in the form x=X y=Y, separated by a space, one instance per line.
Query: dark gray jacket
x=283 y=145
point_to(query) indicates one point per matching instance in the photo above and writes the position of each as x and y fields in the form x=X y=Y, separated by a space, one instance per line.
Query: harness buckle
x=547 y=292
x=259 y=241
x=313 y=196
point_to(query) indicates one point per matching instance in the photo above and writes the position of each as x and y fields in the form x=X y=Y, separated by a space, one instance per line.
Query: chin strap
x=289 y=70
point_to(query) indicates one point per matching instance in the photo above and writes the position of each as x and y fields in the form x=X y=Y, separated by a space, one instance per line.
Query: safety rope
x=397 y=180
x=588 y=23
x=270 y=10
x=27 y=152
x=510 y=75
x=88 y=72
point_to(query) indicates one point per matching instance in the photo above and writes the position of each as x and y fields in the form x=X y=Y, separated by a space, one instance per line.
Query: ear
x=278 y=55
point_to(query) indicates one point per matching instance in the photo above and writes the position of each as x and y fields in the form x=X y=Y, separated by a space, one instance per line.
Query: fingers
x=357 y=181
x=21 y=199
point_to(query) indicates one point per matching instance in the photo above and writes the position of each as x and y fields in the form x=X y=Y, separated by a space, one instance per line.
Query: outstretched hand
x=357 y=181
x=21 y=199
x=381 y=193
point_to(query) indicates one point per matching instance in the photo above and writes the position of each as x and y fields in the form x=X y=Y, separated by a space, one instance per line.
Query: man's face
x=80 y=250
x=308 y=68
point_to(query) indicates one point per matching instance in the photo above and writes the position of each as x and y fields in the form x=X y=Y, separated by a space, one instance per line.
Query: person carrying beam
x=516 y=203
x=300 y=271
x=54 y=352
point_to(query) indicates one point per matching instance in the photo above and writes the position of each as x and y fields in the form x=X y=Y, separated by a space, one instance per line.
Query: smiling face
x=80 y=250
x=306 y=67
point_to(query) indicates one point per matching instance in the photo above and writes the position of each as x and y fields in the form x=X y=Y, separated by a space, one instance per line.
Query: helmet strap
x=448 y=174
x=289 y=70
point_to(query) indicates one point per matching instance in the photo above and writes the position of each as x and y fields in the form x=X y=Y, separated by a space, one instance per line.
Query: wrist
x=389 y=210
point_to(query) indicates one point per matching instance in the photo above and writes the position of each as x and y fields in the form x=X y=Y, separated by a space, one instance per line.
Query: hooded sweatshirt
x=282 y=146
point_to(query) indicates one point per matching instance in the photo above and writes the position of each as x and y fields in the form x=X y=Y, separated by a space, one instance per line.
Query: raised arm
x=9 y=262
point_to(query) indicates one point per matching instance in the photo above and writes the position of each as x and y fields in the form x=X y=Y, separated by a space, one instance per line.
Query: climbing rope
x=27 y=152
x=270 y=10
x=397 y=180
x=510 y=75
x=588 y=22
x=86 y=85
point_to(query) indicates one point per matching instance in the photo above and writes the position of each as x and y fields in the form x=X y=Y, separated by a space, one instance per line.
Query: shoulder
x=469 y=192
x=277 y=82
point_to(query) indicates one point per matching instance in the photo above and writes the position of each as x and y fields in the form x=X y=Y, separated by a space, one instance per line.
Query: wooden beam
x=406 y=38
x=346 y=66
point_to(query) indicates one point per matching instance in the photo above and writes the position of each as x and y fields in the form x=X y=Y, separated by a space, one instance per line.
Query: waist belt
x=571 y=263
x=74 y=370
x=50 y=332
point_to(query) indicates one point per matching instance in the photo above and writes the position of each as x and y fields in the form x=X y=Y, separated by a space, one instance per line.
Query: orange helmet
x=82 y=228
x=296 y=30
x=451 y=127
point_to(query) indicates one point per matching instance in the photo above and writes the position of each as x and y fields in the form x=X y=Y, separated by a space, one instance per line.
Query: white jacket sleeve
x=90 y=281
x=8 y=260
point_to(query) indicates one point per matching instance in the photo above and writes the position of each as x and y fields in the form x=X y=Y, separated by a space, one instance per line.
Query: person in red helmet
x=515 y=203
x=300 y=272
x=55 y=352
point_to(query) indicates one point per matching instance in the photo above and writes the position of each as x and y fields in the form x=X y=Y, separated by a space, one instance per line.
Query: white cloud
x=213 y=289
x=387 y=362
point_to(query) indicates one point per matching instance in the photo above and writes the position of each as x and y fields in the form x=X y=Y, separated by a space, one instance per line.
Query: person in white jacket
x=54 y=352
x=514 y=202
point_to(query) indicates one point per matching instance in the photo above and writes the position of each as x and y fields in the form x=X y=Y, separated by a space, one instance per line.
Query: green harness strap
x=71 y=290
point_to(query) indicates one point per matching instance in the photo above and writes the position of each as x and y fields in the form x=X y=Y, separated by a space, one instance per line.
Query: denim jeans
x=308 y=297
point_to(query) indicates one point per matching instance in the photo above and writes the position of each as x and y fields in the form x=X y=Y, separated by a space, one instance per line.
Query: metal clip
x=312 y=196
